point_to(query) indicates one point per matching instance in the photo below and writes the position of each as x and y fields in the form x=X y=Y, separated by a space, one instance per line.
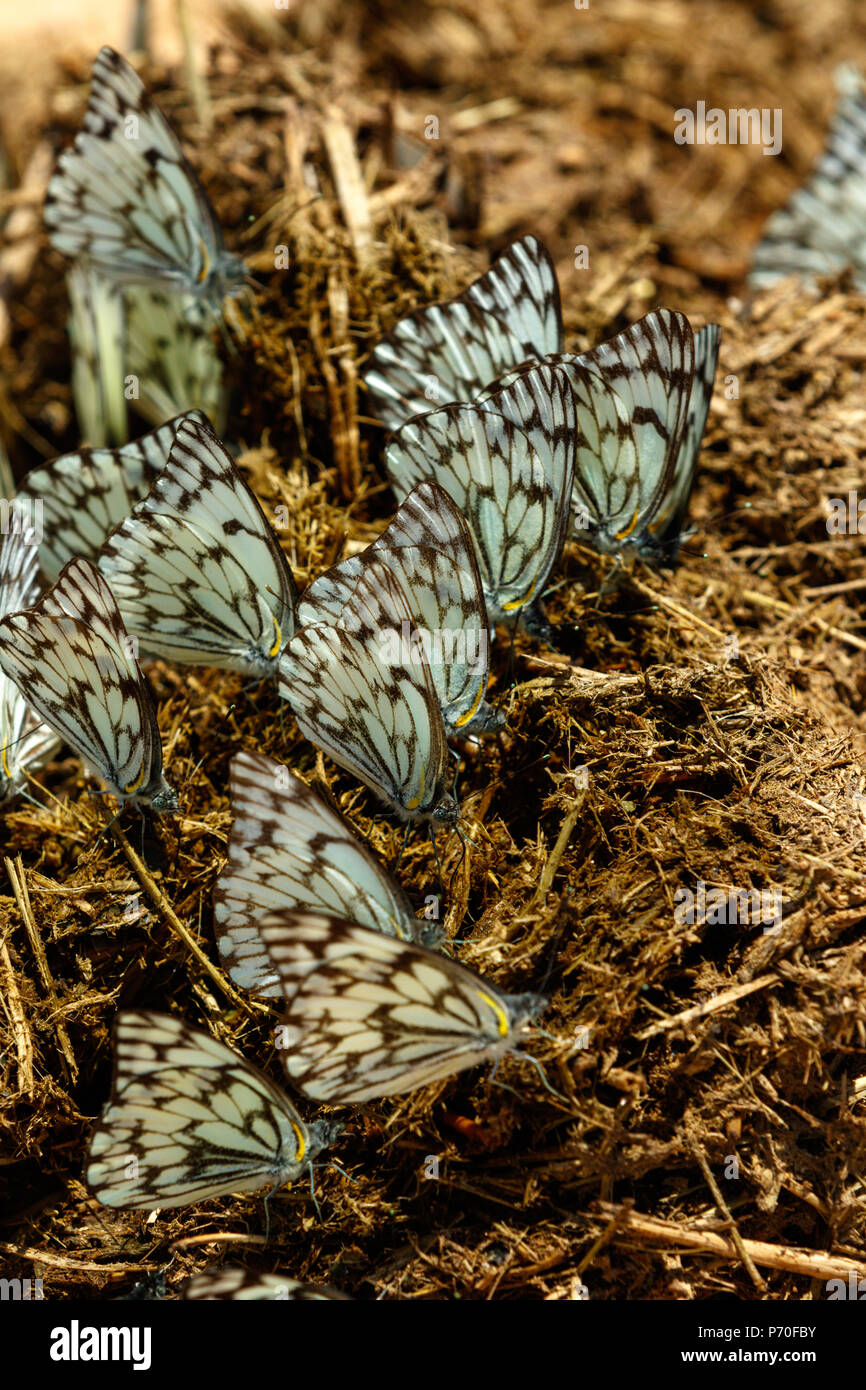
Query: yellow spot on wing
x=133 y=786
x=205 y=262
x=276 y=647
x=416 y=800
x=623 y=535
x=501 y=1016
x=519 y=602
x=470 y=713
x=6 y=767
x=302 y=1143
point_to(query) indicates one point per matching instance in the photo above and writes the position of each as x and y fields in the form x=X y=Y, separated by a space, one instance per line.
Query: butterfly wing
x=820 y=229
x=448 y=352
x=429 y=548
x=369 y=1016
x=173 y=356
x=666 y=527
x=85 y=495
x=125 y=198
x=511 y=481
x=97 y=335
x=25 y=742
x=246 y=1286
x=71 y=658
x=287 y=848
x=189 y=1119
x=371 y=711
x=197 y=571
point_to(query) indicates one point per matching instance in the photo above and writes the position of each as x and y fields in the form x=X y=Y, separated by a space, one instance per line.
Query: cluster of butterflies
x=501 y=445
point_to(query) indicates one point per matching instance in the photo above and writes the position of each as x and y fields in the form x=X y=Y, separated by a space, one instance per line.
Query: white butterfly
x=369 y=1016
x=429 y=549
x=71 y=658
x=190 y=1119
x=246 y=1286
x=198 y=573
x=448 y=352
x=125 y=198
x=85 y=495
x=378 y=717
x=25 y=742
x=287 y=848
x=822 y=227
x=508 y=464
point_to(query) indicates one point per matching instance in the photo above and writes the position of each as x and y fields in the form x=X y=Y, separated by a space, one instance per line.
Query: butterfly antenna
x=464 y=840
x=396 y=863
x=313 y=1193
x=432 y=835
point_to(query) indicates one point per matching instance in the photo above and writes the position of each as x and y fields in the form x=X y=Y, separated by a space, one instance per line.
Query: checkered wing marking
x=287 y=848
x=25 y=742
x=69 y=655
x=125 y=198
x=369 y=1016
x=429 y=548
x=189 y=1119
x=85 y=495
x=246 y=1286
x=821 y=228
x=447 y=352
x=508 y=464
x=373 y=715
x=198 y=573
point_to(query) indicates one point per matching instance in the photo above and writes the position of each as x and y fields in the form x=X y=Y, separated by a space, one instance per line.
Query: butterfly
x=198 y=573
x=85 y=495
x=246 y=1286
x=287 y=848
x=188 y=1119
x=508 y=465
x=374 y=715
x=448 y=352
x=71 y=658
x=125 y=198
x=25 y=742
x=97 y=336
x=368 y=1016
x=429 y=549
x=822 y=227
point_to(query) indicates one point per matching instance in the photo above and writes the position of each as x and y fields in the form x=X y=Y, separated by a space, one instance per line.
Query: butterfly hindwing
x=25 y=741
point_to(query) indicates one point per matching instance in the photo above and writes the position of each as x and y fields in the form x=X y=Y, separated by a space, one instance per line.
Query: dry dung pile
x=702 y=1129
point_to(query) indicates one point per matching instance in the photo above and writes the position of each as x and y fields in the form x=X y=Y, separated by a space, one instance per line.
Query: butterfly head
x=446 y=811
x=322 y=1134
x=164 y=799
x=523 y=1008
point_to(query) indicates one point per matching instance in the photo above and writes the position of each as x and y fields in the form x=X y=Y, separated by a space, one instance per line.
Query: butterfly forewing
x=71 y=658
x=429 y=548
x=666 y=526
x=287 y=848
x=189 y=1119
x=448 y=352
x=197 y=571
x=125 y=198
x=369 y=1016
x=85 y=495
